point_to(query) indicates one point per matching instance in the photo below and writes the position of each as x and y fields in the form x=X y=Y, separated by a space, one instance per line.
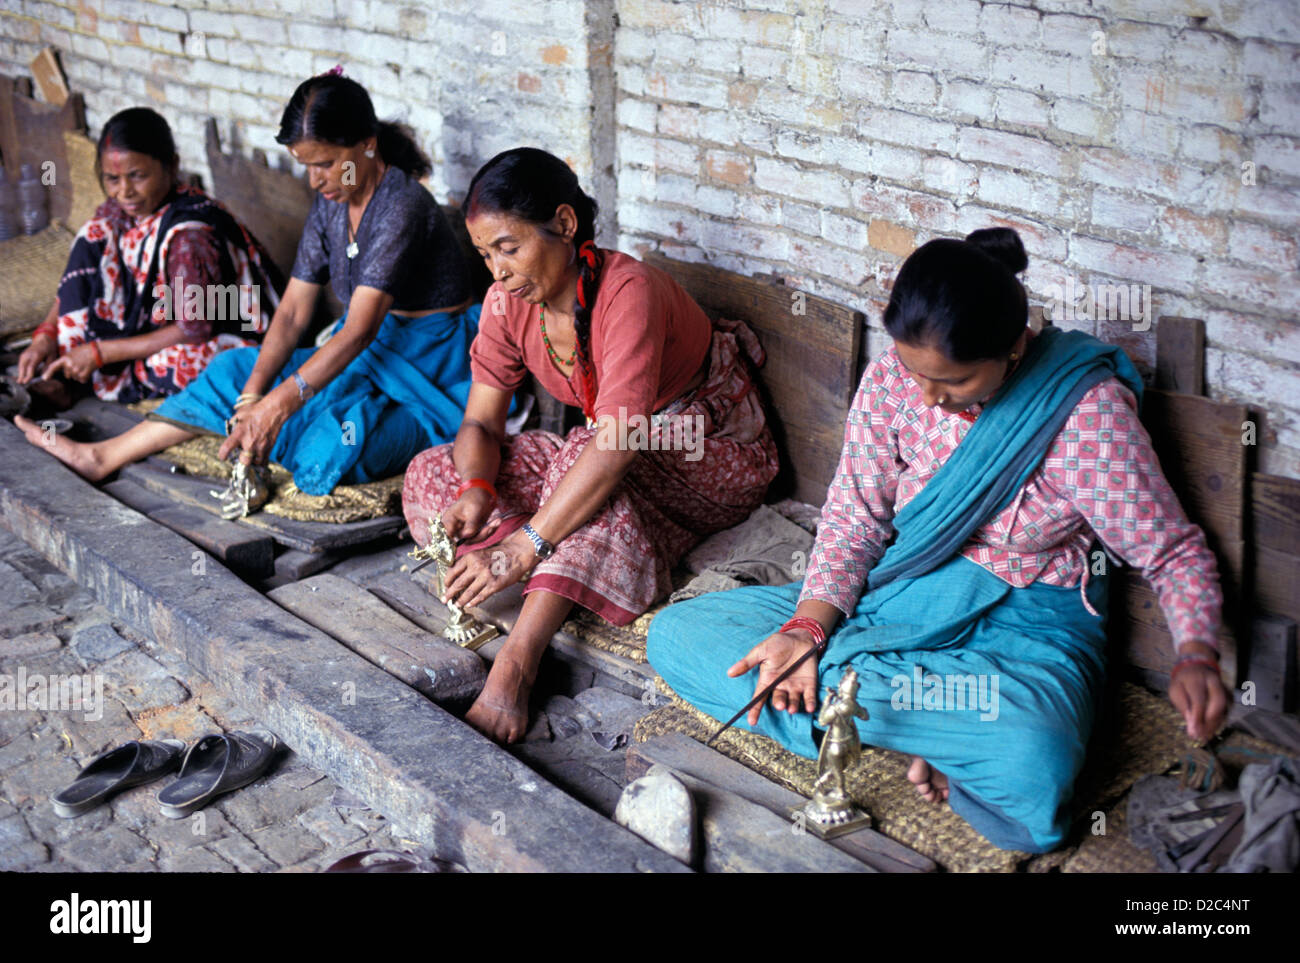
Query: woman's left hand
x=477 y=576
x=253 y=430
x=1198 y=693
x=79 y=363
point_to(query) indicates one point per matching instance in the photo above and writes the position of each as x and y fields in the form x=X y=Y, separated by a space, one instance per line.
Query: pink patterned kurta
x=1100 y=476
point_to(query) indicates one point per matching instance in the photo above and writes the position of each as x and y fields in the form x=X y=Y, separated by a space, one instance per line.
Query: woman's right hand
x=465 y=518
x=773 y=656
x=39 y=353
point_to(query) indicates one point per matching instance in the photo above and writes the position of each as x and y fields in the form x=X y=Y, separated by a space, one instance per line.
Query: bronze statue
x=831 y=812
x=463 y=629
x=247 y=491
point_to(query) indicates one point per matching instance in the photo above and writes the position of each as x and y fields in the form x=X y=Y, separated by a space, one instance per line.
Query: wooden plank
x=1180 y=355
x=1273 y=663
x=413 y=598
x=294 y=564
x=48 y=73
x=802 y=335
x=1198 y=442
x=739 y=836
x=31 y=132
x=1141 y=632
x=250 y=552
x=273 y=204
x=428 y=663
x=1275 y=512
x=1277 y=582
x=449 y=787
x=157 y=476
x=682 y=754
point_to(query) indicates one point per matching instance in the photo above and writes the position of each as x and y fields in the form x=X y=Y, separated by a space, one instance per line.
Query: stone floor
x=294 y=819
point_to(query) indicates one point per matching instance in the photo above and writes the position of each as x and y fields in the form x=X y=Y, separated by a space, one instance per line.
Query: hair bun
x=1003 y=245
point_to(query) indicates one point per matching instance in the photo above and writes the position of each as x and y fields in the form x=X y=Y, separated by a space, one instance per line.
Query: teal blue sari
x=995 y=686
x=404 y=393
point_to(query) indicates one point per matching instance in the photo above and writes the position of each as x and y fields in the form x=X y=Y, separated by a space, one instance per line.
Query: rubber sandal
x=133 y=764
x=216 y=765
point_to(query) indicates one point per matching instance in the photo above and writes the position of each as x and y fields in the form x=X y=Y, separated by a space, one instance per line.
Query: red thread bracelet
x=46 y=329
x=482 y=483
x=811 y=625
x=99 y=357
x=1198 y=660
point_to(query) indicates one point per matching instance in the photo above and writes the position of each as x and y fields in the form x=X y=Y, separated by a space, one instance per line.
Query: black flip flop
x=133 y=764
x=216 y=765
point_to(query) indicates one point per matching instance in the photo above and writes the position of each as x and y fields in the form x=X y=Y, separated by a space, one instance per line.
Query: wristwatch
x=305 y=391
x=543 y=548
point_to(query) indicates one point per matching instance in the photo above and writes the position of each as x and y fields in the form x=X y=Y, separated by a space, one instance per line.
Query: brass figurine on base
x=830 y=812
x=462 y=628
x=247 y=491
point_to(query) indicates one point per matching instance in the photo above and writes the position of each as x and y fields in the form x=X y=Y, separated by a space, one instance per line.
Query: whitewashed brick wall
x=471 y=78
x=823 y=142
x=820 y=141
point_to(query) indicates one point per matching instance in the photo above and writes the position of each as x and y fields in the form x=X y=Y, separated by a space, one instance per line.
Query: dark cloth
x=405 y=247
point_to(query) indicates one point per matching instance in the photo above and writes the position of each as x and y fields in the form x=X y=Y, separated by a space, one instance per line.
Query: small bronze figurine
x=463 y=629
x=830 y=812
x=246 y=492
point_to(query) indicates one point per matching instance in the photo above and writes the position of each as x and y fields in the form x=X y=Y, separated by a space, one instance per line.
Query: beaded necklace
x=550 y=350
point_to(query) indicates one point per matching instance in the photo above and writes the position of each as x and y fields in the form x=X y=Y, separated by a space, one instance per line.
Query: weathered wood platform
x=376 y=736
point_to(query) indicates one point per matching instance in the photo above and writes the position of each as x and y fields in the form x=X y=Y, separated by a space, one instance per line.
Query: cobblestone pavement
x=294 y=819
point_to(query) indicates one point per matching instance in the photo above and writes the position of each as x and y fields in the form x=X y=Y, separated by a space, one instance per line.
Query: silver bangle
x=305 y=391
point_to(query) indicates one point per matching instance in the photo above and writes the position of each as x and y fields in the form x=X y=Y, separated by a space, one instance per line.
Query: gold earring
x=1014 y=356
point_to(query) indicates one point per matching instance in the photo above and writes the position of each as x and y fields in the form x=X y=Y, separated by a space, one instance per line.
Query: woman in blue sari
x=393 y=377
x=994 y=459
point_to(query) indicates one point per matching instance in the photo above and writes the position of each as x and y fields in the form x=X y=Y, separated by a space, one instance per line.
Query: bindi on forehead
x=114 y=160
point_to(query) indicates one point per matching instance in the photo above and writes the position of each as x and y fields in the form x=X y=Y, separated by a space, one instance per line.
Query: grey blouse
x=404 y=247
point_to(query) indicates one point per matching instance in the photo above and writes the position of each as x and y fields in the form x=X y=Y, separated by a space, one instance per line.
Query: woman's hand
x=477 y=576
x=773 y=656
x=465 y=518
x=39 y=353
x=1198 y=693
x=79 y=363
x=253 y=430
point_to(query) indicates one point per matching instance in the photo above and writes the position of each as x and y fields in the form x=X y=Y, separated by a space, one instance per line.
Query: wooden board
x=48 y=74
x=427 y=662
x=31 y=132
x=157 y=476
x=1180 y=355
x=1275 y=512
x=1198 y=442
x=811 y=371
x=247 y=551
x=683 y=754
x=272 y=204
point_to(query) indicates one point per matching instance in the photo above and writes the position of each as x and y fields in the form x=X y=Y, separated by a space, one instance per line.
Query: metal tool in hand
x=761 y=697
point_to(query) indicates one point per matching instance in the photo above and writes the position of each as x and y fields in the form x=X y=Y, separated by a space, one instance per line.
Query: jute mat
x=30 y=269
x=1144 y=735
x=347 y=503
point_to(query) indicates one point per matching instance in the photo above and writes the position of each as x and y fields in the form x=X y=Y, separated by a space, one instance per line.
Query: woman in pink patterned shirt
x=992 y=458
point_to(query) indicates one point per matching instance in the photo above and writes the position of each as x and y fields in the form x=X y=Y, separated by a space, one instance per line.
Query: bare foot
x=501 y=710
x=929 y=782
x=81 y=457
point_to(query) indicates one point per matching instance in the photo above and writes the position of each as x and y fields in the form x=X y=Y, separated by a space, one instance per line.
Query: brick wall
x=824 y=141
x=1136 y=143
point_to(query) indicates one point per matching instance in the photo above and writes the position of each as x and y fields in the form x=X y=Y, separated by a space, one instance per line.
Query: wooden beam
x=684 y=755
x=445 y=784
x=810 y=376
x=1180 y=355
x=428 y=663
